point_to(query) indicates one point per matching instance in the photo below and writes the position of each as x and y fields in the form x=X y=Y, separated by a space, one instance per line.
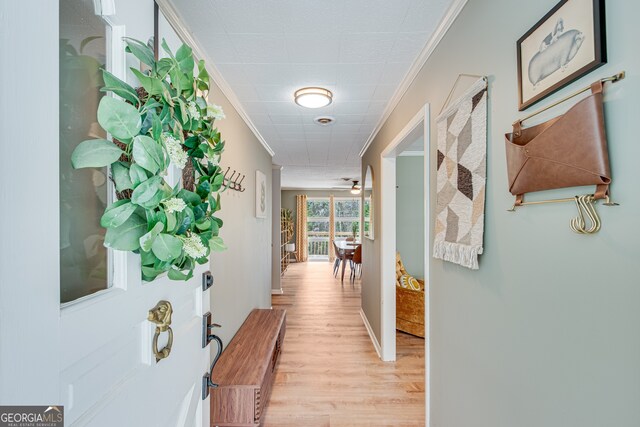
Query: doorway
x=417 y=127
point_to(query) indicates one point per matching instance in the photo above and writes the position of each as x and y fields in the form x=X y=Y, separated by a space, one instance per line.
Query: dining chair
x=356 y=263
x=336 y=263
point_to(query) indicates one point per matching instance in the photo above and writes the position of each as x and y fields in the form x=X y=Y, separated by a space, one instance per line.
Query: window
x=318 y=228
x=367 y=214
x=84 y=193
x=346 y=217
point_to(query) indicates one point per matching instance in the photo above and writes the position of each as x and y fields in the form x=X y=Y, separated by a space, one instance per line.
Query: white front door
x=93 y=354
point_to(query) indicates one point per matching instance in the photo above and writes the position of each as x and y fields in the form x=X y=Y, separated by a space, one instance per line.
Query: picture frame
x=261 y=195
x=567 y=43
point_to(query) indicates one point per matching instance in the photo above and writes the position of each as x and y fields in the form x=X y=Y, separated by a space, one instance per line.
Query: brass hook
x=585 y=203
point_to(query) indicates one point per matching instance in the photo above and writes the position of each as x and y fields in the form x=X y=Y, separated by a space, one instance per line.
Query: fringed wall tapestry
x=461 y=178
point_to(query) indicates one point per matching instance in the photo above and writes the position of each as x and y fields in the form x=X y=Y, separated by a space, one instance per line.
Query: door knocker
x=161 y=316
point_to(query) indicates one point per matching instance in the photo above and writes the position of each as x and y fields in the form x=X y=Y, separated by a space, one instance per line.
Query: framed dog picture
x=567 y=43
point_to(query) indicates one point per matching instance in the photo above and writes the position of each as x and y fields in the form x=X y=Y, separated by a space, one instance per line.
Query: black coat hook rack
x=233 y=181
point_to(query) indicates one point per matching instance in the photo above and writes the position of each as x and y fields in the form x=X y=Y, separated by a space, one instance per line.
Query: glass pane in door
x=84 y=265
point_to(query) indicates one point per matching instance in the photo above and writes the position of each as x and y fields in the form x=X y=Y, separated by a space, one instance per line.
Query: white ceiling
x=358 y=49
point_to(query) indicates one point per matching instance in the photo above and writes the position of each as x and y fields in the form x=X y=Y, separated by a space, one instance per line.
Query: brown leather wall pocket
x=567 y=151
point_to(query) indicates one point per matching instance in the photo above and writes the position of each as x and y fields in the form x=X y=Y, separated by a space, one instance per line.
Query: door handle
x=207 y=337
x=206 y=328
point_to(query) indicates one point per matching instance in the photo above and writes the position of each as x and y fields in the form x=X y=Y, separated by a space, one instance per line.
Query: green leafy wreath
x=164 y=121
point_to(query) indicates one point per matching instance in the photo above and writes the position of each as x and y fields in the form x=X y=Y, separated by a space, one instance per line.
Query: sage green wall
x=547 y=332
x=410 y=213
x=242 y=273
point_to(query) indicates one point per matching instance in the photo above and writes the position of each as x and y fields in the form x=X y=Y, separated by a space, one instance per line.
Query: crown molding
x=446 y=22
x=172 y=16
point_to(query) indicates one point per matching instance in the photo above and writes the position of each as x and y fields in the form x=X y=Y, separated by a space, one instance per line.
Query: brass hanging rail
x=612 y=79
x=607 y=202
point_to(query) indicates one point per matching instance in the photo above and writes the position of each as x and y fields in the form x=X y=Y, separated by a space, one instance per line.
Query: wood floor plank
x=329 y=374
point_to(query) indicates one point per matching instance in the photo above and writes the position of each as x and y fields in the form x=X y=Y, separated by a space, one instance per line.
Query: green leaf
x=141 y=51
x=166 y=247
x=137 y=175
x=165 y=65
x=191 y=141
x=203 y=189
x=156 y=126
x=201 y=102
x=152 y=85
x=149 y=193
x=147 y=240
x=178 y=275
x=126 y=237
x=120 y=119
x=147 y=257
x=120 y=88
x=166 y=48
x=95 y=153
x=176 y=79
x=184 y=56
x=181 y=113
x=186 y=221
x=120 y=174
x=200 y=211
x=148 y=153
x=216 y=244
x=167 y=96
x=217 y=182
x=117 y=213
x=203 y=76
x=189 y=197
x=171 y=222
x=150 y=273
x=205 y=224
x=215 y=228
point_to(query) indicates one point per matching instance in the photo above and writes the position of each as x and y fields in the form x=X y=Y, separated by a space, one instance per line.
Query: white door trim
x=388 y=242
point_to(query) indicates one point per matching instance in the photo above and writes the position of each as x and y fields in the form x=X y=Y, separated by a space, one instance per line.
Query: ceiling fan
x=355 y=187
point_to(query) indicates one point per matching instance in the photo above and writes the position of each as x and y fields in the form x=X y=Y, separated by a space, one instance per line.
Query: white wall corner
x=411 y=154
x=172 y=16
x=374 y=340
x=278 y=291
x=446 y=22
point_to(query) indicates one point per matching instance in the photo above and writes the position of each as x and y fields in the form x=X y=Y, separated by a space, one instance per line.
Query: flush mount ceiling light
x=355 y=189
x=313 y=97
x=324 y=120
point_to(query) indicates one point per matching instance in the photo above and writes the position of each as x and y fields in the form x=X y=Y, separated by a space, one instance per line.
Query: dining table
x=346 y=248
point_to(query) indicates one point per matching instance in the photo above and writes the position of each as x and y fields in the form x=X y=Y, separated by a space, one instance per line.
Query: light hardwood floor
x=329 y=373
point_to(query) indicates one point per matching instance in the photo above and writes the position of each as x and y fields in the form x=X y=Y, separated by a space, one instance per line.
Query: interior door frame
x=388 y=241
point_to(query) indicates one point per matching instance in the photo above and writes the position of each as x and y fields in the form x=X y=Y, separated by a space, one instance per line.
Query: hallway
x=329 y=373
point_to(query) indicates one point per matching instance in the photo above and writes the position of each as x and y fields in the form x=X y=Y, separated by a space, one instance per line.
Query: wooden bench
x=245 y=371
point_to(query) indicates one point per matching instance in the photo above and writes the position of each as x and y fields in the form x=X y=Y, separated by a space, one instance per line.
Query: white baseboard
x=277 y=291
x=374 y=340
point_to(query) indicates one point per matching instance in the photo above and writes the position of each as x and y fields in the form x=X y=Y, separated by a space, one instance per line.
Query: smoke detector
x=324 y=120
